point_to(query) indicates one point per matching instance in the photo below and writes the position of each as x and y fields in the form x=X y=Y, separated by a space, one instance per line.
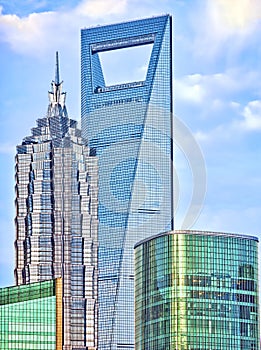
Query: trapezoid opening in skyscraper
x=129 y=127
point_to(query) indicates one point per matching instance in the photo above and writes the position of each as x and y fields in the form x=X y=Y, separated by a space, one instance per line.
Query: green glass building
x=197 y=290
x=31 y=316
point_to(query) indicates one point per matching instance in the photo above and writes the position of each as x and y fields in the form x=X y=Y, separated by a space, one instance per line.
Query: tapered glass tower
x=129 y=127
x=56 y=217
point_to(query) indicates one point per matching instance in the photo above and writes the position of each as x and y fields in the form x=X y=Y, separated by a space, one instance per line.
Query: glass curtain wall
x=197 y=290
x=57 y=216
x=129 y=127
x=31 y=316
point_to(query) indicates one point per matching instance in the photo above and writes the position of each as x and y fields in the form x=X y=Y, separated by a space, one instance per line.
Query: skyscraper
x=129 y=127
x=56 y=217
x=197 y=290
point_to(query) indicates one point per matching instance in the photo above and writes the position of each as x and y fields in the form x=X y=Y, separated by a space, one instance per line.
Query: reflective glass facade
x=57 y=217
x=197 y=290
x=128 y=126
x=31 y=316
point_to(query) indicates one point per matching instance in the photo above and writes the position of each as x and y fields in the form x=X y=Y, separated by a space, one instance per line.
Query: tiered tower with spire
x=56 y=216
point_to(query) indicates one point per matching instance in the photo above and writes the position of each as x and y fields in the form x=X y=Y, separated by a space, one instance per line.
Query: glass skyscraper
x=56 y=217
x=197 y=290
x=129 y=127
x=31 y=316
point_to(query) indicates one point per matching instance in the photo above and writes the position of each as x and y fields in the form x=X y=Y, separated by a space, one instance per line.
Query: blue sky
x=217 y=95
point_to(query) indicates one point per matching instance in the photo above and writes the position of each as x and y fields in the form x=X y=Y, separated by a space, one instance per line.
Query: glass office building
x=128 y=125
x=57 y=217
x=31 y=316
x=197 y=290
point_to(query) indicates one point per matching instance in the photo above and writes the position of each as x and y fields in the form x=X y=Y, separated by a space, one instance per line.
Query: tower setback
x=56 y=216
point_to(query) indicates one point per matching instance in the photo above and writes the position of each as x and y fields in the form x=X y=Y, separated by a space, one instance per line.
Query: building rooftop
x=199 y=233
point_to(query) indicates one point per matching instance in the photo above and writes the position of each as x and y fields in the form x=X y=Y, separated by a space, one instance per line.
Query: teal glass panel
x=197 y=290
x=28 y=317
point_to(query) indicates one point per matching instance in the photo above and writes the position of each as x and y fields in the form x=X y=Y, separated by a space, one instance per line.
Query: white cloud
x=100 y=8
x=234 y=105
x=236 y=14
x=28 y=33
x=232 y=124
x=209 y=89
x=220 y=133
x=252 y=116
x=225 y=25
x=217 y=96
x=39 y=32
x=190 y=88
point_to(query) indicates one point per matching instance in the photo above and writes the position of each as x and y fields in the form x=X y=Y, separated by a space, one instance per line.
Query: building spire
x=56 y=96
x=57 y=78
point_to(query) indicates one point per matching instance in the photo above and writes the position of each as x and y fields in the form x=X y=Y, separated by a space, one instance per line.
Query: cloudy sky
x=217 y=96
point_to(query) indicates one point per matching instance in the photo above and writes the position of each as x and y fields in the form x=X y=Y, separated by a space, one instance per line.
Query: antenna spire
x=57 y=78
x=56 y=96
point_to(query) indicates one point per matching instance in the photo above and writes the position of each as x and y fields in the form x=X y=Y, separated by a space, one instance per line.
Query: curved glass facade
x=128 y=126
x=197 y=290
